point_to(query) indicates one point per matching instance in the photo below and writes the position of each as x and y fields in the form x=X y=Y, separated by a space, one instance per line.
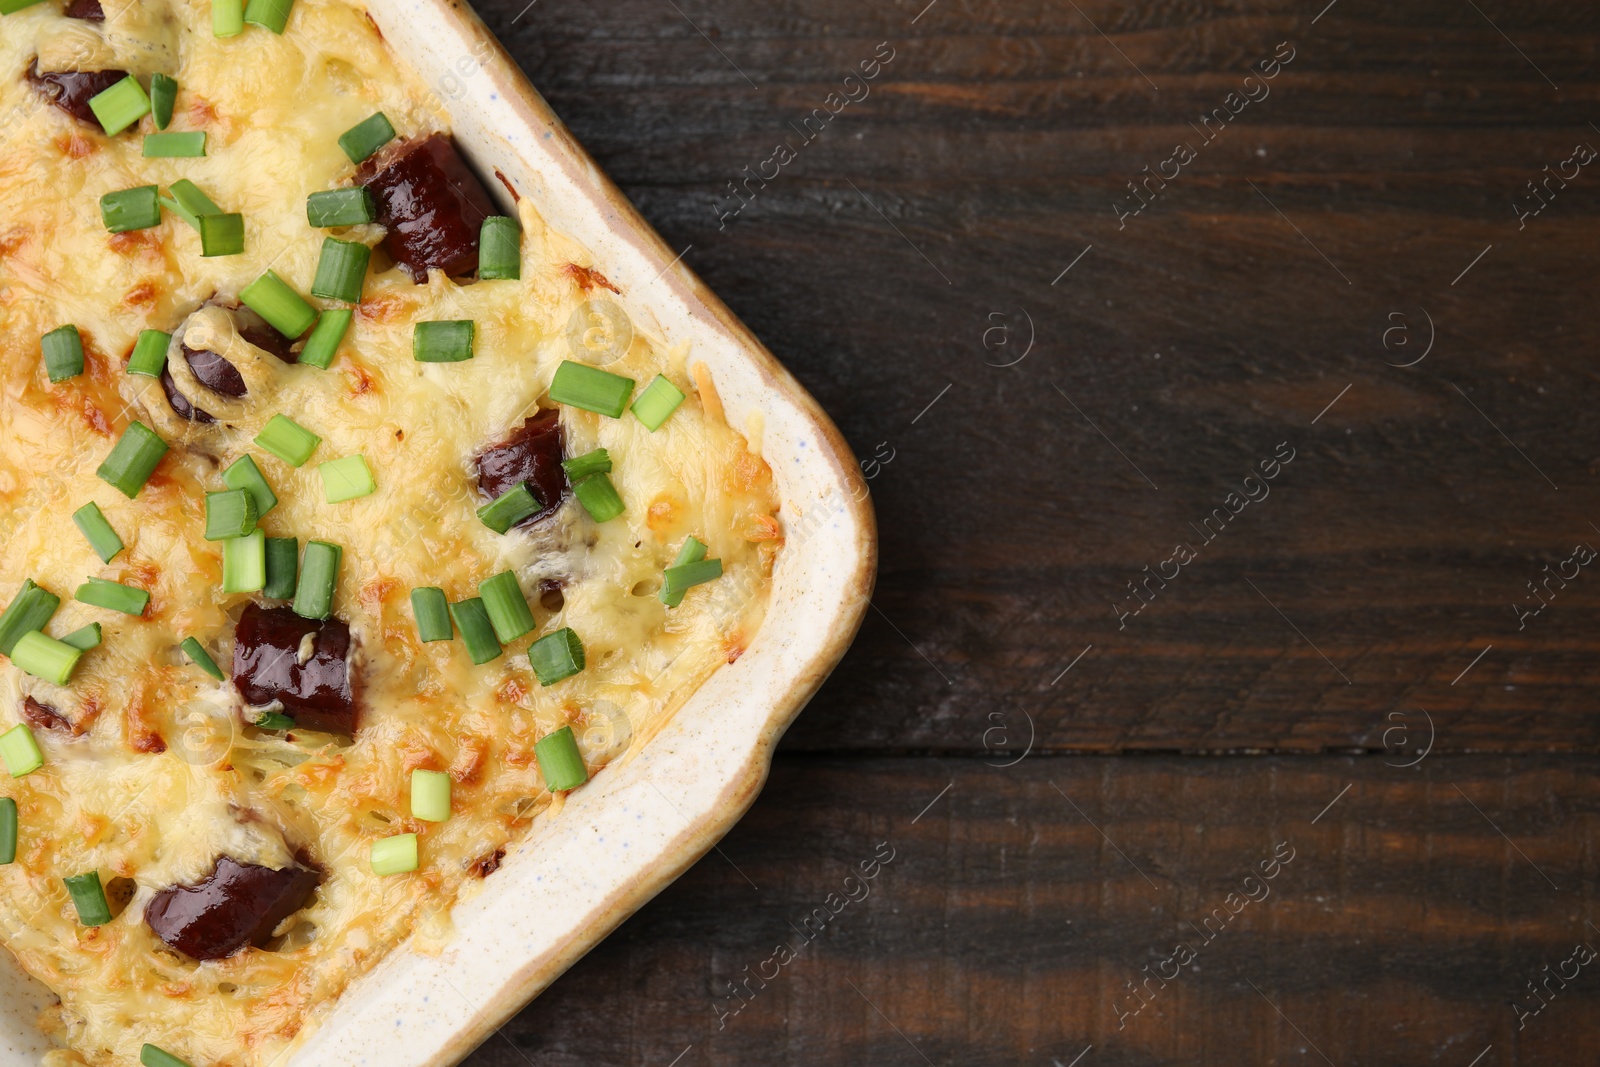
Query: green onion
x=659 y=399
x=346 y=478
x=133 y=459
x=11 y=7
x=283 y=564
x=680 y=579
x=8 y=830
x=284 y=309
x=591 y=389
x=325 y=339
x=163 y=95
x=221 y=235
x=29 y=610
x=559 y=760
x=472 y=619
x=243 y=473
x=200 y=657
x=430 y=795
x=498 y=253
x=442 y=342
x=131 y=209
x=693 y=551
x=20 y=752
x=104 y=593
x=91 y=522
x=45 y=657
x=341 y=207
x=274 y=720
x=150 y=1055
x=227 y=18
x=432 y=612
x=244 y=563
x=188 y=145
x=288 y=440
x=366 y=136
x=89 y=897
x=341 y=269
x=188 y=202
x=395 y=855
x=319 y=570
x=509 y=508
x=599 y=497
x=149 y=353
x=580 y=467
x=63 y=353
x=507 y=606
x=269 y=14
x=230 y=514
x=120 y=106
x=84 y=638
x=556 y=656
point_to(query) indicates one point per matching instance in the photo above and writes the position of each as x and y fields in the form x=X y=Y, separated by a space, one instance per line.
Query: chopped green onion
x=693 y=551
x=599 y=498
x=150 y=1055
x=580 y=467
x=472 y=619
x=11 y=7
x=131 y=209
x=325 y=339
x=200 y=657
x=89 y=897
x=288 y=440
x=120 y=106
x=284 y=309
x=230 y=514
x=243 y=473
x=560 y=761
x=274 y=720
x=443 y=341
x=269 y=14
x=395 y=855
x=163 y=95
x=507 y=606
x=187 y=145
x=509 y=508
x=341 y=268
x=133 y=459
x=91 y=522
x=283 y=565
x=556 y=656
x=221 y=235
x=20 y=752
x=29 y=610
x=659 y=400
x=319 y=571
x=189 y=202
x=244 y=563
x=366 y=136
x=430 y=795
x=104 y=593
x=499 y=254
x=45 y=657
x=341 y=207
x=84 y=638
x=346 y=478
x=680 y=579
x=227 y=18
x=432 y=612
x=591 y=389
x=8 y=830
x=63 y=353
x=149 y=353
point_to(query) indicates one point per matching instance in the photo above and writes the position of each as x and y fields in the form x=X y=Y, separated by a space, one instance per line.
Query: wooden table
x=1233 y=440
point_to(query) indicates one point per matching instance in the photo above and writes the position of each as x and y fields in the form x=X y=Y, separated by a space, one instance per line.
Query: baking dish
x=580 y=873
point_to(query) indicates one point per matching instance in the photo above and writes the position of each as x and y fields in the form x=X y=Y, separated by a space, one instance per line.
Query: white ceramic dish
x=640 y=824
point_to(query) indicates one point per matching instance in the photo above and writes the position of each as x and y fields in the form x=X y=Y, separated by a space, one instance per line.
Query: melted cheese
x=166 y=776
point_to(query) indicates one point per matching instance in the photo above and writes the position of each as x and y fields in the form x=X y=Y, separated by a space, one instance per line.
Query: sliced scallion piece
x=284 y=309
x=499 y=251
x=599 y=497
x=556 y=656
x=442 y=341
x=114 y=596
x=8 y=830
x=326 y=337
x=560 y=762
x=268 y=14
x=131 y=209
x=120 y=106
x=274 y=720
x=341 y=268
x=244 y=563
x=29 y=610
x=472 y=619
x=200 y=657
x=692 y=552
x=395 y=855
x=341 y=207
x=20 y=752
x=150 y=1055
x=91 y=522
x=11 y=7
x=366 y=137
x=507 y=606
x=163 y=95
x=590 y=388
x=189 y=203
x=190 y=144
x=84 y=638
x=658 y=400
x=230 y=514
x=149 y=353
x=288 y=440
x=133 y=459
x=432 y=612
x=283 y=565
x=63 y=353
x=89 y=897
x=509 y=508
x=680 y=579
x=45 y=657
x=227 y=18
x=580 y=467
x=221 y=234
x=346 y=478
x=319 y=571
x=430 y=795
x=243 y=473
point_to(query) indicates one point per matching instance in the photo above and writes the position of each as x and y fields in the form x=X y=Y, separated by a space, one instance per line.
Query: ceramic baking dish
x=641 y=823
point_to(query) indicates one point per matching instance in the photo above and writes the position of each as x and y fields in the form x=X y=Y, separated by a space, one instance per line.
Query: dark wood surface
x=1362 y=613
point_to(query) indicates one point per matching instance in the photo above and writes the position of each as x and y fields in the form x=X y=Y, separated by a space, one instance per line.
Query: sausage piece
x=71 y=90
x=88 y=10
x=238 y=904
x=319 y=693
x=432 y=205
x=215 y=372
x=531 y=454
